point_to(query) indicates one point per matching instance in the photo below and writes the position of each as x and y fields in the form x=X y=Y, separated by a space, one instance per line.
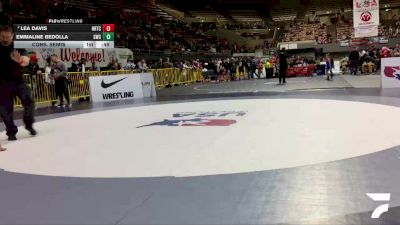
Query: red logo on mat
x=392 y=72
x=193 y=122
x=200 y=119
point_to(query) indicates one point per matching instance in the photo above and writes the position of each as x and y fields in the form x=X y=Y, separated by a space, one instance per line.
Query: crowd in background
x=135 y=30
x=233 y=68
x=358 y=60
x=246 y=25
x=142 y=30
x=255 y=35
x=314 y=29
x=390 y=29
x=367 y=61
x=344 y=30
x=155 y=33
x=363 y=61
x=304 y=31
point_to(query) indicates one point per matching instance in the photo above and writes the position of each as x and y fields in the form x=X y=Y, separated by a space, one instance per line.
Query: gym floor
x=247 y=152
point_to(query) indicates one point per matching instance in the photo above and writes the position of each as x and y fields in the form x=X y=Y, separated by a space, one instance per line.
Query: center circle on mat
x=203 y=138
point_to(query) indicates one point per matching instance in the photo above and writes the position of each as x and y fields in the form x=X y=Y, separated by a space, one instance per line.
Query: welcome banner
x=102 y=57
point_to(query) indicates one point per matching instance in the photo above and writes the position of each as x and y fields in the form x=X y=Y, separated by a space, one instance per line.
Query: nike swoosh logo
x=104 y=85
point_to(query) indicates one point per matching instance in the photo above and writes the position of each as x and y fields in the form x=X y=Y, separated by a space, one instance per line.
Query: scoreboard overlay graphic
x=64 y=35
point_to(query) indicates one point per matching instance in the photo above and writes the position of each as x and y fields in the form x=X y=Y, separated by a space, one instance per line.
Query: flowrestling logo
x=392 y=72
x=209 y=119
x=380 y=197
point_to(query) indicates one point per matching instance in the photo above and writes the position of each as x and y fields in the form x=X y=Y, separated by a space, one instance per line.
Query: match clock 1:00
x=108 y=36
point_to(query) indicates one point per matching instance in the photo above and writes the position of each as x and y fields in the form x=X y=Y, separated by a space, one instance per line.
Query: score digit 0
x=108 y=36
x=108 y=27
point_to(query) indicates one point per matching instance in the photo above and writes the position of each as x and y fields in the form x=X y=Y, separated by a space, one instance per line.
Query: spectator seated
x=302 y=31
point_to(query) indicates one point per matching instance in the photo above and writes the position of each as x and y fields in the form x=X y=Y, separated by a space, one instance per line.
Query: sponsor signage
x=368 y=31
x=121 y=87
x=366 y=13
x=345 y=43
x=366 y=18
x=244 y=54
x=390 y=72
x=364 y=41
x=148 y=85
x=292 y=46
x=383 y=40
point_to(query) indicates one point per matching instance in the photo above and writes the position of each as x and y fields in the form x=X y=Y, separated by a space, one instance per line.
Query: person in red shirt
x=385 y=52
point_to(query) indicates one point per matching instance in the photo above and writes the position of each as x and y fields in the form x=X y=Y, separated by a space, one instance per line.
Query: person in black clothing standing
x=241 y=67
x=248 y=68
x=354 y=58
x=12 y=84
x=230 y=66
x=283 y=66
x=253 y=67
x=59 y=74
